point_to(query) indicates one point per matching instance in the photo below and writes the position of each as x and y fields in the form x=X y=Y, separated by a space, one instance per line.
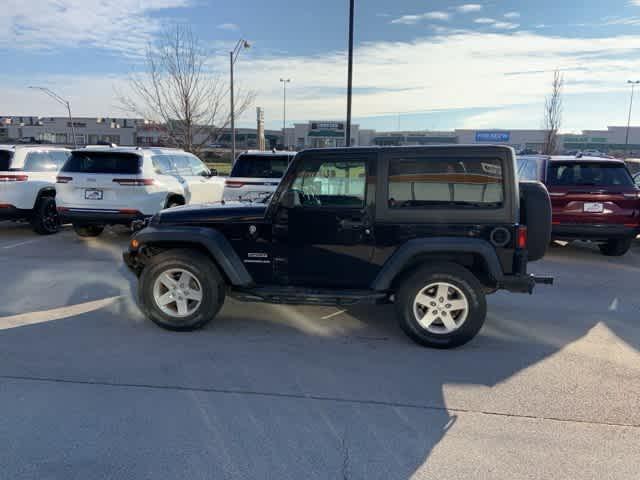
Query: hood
x=213 y=213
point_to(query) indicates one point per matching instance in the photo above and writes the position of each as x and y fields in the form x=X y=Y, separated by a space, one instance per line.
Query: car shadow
x=372 y=404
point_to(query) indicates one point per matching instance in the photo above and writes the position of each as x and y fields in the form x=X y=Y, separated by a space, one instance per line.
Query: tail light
x=129 y=211
x=233 y=184
x=134 y=182
x=5 y=205
x=63 y=179
x=522 y=237
x=13 y=178
x=557 y=194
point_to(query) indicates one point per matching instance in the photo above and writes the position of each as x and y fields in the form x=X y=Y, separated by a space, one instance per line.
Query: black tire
x=87 y=231
x=201 y=267
x=452 y=274
x=616 y=247
x=45 y=218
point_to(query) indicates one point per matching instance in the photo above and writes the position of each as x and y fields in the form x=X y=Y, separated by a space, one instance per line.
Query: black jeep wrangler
x=431 y=229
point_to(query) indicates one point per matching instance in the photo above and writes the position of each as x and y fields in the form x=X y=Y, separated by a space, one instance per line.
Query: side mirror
x=213 y=172
x=290 y=199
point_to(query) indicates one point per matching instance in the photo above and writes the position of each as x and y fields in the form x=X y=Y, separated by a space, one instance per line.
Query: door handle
x=347 y=224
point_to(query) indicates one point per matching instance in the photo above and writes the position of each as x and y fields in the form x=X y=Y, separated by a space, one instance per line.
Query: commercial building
x=313 y=134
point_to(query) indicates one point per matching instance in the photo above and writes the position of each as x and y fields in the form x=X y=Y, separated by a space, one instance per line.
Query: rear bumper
x=576 y=231
x=83 y=216
x=10 y=212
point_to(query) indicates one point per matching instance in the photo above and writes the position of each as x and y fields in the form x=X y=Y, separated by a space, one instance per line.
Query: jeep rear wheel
x=616 y=248
x=181 y=290
x=46 y=220
x=441 y=306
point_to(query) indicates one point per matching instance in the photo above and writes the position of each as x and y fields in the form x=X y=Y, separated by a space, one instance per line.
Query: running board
x=306 y=296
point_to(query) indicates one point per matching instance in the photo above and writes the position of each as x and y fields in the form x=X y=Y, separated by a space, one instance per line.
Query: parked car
x=101 y=186
x=431 y=229
x=27 y=184
x=593 y=199
x=256 y=174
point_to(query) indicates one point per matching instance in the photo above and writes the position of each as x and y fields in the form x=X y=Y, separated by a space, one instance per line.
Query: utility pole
x=64 y=102
x=233 y=56
x=350 y=74
x=284 y=111
x=633 y=83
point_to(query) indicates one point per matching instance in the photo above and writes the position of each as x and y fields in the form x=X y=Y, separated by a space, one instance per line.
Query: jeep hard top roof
x=268 y=153
x=572 y=158
x=408 y=148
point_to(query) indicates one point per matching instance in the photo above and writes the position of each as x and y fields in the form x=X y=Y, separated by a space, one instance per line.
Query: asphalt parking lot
x=89 y=389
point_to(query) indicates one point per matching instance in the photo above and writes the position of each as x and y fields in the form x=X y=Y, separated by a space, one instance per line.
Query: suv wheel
x=616 y=248
x=46 y=220
x=441 y=306
x=88 y=230
x=181 y=290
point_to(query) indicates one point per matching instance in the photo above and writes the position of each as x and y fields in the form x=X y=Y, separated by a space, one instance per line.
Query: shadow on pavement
x=279 y=389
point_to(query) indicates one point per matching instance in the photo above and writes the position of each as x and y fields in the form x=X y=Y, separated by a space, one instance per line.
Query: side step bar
x=302 y=296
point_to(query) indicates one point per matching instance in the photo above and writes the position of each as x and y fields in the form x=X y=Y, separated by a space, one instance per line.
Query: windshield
x=103 y=162
x=600 y=174
x=5 y=160
x=260 y=166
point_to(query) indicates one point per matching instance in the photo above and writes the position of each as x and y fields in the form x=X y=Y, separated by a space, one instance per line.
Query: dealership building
x=313 y=134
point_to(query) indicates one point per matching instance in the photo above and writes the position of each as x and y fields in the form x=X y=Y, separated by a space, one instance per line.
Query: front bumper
x=82 y=216
x=576 y=231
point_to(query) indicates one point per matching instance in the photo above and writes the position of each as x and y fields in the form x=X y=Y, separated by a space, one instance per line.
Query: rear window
x=45 y=161
x=602 y=174
x=103 y=162
x=261 y=166
x=5 y=160
x=441 y=182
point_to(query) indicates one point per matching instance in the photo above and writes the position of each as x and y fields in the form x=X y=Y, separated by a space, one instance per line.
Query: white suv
x=256 y=174
x=101 y=186
x=27 y=184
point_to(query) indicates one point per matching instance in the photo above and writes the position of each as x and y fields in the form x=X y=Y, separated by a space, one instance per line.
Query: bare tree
x=553 y=115
x=175 y=91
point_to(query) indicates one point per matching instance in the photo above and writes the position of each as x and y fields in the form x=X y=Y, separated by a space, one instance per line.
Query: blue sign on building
x=495 y=137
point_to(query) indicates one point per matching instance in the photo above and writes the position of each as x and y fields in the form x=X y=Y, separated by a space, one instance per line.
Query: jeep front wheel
x=181 y=290
x=441 y=306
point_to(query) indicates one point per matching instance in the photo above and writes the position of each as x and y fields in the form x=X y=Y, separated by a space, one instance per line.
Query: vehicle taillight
x=63 y=179
x=134 y=182
x=13 y=178
x=129 y=211
x=557 y=194
x=233 y=184
x=522 y=237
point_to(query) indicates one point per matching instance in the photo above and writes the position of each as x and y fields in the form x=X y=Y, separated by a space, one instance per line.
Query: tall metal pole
x=626 y=142
x=284 y=111
x=73 y=128
x=64 y=102
x=233 y=113
x=350 y=74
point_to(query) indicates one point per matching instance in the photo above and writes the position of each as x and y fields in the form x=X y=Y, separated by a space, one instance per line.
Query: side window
x=332 y=183
x=181 y=165
x=40 y=162
x=529 y=170
x=162 y=164
x=428 y=182
x=197 y=167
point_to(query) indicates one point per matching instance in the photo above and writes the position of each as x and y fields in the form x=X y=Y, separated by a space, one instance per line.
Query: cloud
x=505 y=25
x=392 y=77
x=124 y=26
x=413 y=19
x=228 y=26
x=484 y=20
x=469 y=8
x=512 y=15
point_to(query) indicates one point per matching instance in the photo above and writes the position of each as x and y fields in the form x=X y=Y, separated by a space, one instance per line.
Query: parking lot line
x=14 y=245
x=334 y=314
x=55 y=313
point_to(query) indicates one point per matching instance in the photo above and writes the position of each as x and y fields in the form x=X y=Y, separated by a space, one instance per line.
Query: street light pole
x=233 y=56
x=633 y=83
x=64 y=102
x=350 y=73
x=284 y=111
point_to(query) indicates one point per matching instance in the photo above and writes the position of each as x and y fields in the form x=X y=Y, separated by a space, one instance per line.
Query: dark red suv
x=593 y=199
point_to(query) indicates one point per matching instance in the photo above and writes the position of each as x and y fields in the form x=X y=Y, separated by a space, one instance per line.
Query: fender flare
x=212 y=240
x=402 y=258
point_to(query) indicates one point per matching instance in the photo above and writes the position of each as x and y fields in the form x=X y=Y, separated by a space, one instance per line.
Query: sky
x=419 y=64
